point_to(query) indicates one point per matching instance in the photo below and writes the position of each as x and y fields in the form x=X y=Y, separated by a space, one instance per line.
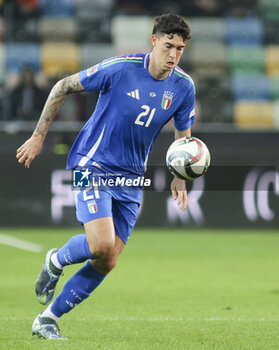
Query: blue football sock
x=76 y=250
x=76 y=289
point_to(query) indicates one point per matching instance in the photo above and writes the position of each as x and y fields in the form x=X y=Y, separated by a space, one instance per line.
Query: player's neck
x=154 y=70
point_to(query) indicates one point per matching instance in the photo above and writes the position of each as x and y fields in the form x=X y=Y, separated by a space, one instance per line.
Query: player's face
x=168 y=50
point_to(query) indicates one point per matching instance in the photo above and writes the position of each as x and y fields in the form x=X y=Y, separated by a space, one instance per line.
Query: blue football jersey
x=131 y=110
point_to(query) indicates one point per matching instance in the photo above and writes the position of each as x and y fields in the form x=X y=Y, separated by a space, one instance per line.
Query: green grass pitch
x=172 y=289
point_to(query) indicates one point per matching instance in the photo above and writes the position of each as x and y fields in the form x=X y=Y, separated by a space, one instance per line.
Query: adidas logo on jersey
x=134 y=94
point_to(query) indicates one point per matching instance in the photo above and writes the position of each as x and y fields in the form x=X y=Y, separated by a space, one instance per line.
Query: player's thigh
x=94 y=211
x=100 y=235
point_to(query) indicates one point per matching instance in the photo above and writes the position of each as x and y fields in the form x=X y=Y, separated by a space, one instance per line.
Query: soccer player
x=139 y=94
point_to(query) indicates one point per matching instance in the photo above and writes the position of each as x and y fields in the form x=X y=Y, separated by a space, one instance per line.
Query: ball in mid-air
x=188 y=158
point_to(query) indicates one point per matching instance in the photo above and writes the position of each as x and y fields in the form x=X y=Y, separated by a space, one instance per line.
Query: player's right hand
x=179 y=191
x=29 y=150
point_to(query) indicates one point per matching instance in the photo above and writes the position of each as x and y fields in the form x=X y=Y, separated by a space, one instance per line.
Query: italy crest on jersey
x=92 y=206
x=167 y=99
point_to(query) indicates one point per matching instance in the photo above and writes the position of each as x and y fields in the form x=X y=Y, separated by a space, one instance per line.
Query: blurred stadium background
x=234 y=60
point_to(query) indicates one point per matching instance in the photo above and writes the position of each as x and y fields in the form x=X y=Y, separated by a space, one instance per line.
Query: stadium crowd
x=233 y=57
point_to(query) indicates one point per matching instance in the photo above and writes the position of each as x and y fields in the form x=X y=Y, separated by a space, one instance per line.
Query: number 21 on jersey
x=146 y=112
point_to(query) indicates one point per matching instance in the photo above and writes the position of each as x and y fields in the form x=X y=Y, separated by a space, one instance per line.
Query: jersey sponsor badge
x=92 y=70
x=167 y=99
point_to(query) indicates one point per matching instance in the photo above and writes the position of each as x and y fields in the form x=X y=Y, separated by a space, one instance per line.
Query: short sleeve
x=184 y=118
x=95 y=78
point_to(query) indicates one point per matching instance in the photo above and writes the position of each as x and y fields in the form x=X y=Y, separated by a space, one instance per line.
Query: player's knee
x=100 y=235
x=104 y=265
x=102 y=249
x=108 y=265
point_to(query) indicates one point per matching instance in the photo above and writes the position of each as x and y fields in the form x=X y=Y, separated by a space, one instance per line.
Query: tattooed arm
x=31 y=148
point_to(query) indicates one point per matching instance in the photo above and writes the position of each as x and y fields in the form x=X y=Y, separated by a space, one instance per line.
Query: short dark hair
x=172 y=24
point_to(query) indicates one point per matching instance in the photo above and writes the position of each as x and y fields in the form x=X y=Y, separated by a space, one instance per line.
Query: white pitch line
x=180 y=319
x=157 y=319
x=19 y=243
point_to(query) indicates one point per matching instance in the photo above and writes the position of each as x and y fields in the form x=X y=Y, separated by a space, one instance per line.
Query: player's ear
x=154 y=39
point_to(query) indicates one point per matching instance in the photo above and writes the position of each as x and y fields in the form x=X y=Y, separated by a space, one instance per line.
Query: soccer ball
x=188 y=158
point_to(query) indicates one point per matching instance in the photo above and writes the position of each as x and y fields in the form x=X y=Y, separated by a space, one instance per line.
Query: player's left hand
x=178 y=190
